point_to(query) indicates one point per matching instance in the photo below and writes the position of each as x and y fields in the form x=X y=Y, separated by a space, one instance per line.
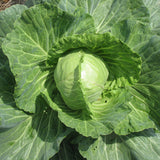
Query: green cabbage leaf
x=24 y=135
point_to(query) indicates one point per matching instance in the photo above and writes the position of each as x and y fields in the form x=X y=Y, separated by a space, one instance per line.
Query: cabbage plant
x=80 y=80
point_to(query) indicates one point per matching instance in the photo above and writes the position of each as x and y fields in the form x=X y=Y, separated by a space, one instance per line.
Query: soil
x=7 y=3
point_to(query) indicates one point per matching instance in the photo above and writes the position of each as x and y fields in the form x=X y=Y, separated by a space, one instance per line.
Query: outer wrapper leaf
x=9 y=116
x=153 y=7
x=7 y=19
x=136 y=146
x=24 y=136
x=35 y=137
x=107 y=13
x=26 y=68
x=149 y=83
x=147 y=88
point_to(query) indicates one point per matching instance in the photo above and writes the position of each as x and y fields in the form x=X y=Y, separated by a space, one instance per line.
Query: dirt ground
x=7 y=3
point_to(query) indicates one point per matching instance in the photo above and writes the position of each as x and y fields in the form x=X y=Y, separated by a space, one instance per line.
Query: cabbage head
x=80 y=78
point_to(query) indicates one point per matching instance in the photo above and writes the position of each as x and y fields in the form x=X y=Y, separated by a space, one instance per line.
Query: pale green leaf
x=149 y=83
x=154 y=12
x=7 y=19
x=107 y=13
x=137 y=146
x=36 y=137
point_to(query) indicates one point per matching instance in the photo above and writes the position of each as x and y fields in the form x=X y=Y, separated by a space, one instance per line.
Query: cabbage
x=80 y=78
